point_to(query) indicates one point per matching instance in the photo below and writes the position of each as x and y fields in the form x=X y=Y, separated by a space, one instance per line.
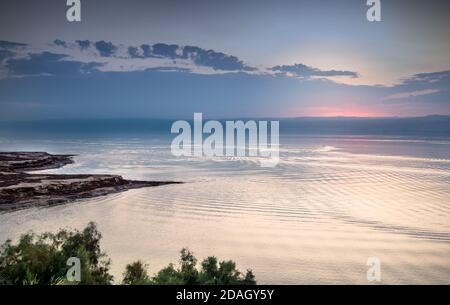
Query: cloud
x=103 y=56
x=5 y=54
x=304 y=71
x=433 y=85
x=165 y=50
x=156 y=77
x=108 y=57
x=427 y=78
x=47 y=64
x=8 y=49
x=147 y=50
x=60 y=42
x=11 y=45
x=216 y=60
x=403 y=95
x=106 y=49
x=83 y=44
x=134 y=52
x=199 y=56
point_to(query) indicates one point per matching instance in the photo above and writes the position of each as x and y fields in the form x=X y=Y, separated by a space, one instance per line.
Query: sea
x=337 y=199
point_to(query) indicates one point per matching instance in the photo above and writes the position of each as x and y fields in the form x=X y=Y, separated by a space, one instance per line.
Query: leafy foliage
x=42 y=259
x=136 y=274
x=210 y=273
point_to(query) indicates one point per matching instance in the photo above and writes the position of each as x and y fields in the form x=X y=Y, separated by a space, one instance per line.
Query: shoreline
x=20 y=189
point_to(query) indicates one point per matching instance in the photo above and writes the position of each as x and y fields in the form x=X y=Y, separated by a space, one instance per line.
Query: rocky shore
x=20 y=189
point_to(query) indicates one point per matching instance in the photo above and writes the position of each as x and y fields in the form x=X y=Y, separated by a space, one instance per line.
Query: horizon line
x=226 y=118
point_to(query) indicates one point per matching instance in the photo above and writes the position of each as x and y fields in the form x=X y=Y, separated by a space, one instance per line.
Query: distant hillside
x=436 y=126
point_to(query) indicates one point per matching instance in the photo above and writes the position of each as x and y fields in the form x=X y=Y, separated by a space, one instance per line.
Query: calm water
x=331 y=203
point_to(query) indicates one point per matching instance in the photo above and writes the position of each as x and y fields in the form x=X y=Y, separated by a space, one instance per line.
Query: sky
x=261 y=58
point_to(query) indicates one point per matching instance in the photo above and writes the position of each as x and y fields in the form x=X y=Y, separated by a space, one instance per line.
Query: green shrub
x=136 y=274
x=42 y=259
x=210 y=273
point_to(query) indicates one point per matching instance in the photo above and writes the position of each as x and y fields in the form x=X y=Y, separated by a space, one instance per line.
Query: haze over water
x=332 y=202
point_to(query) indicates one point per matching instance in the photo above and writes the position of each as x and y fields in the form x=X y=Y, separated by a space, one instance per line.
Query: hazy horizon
x=227 y=118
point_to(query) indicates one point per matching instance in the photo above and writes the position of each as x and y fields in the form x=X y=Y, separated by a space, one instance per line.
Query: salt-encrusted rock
x=19 y=189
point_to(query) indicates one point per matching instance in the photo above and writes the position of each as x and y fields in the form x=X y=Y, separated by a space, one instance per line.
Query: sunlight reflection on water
x=315 y=218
